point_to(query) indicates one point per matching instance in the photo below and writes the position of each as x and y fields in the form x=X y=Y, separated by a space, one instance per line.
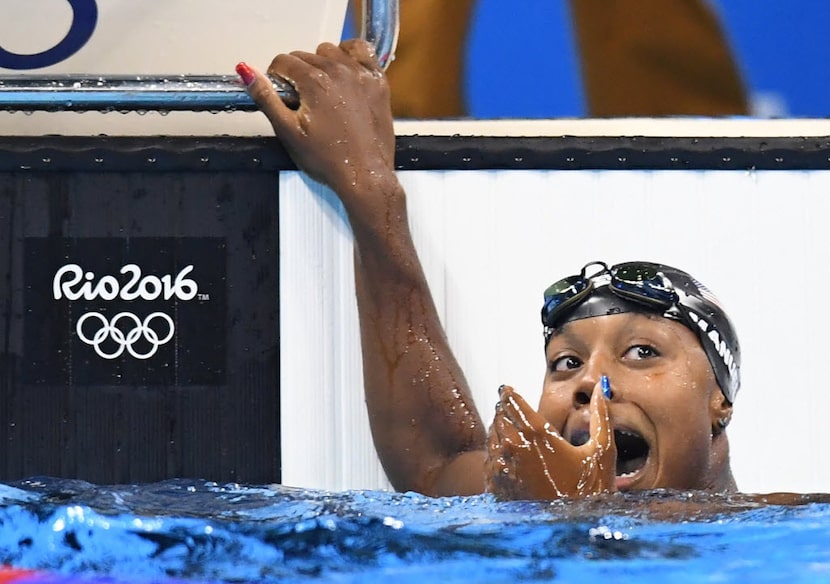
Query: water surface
x=177 y=531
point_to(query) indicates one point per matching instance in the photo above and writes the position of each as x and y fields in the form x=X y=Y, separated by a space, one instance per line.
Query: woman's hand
x=528 y=459
x=342 y=133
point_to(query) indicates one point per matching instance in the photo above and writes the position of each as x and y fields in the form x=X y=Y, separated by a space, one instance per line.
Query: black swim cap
x=695 y=307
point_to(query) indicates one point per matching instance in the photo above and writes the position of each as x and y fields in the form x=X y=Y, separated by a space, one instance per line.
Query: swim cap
x=614 y=291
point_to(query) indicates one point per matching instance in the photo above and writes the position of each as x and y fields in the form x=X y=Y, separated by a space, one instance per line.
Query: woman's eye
x=565 y=363
x=641 y=352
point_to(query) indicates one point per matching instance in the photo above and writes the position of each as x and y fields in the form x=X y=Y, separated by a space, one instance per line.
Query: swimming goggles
x=636 y=281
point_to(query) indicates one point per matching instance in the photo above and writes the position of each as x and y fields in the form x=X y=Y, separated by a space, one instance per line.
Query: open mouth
x=632 y=450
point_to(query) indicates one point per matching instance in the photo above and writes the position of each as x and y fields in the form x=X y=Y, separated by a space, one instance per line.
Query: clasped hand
x=528 y=459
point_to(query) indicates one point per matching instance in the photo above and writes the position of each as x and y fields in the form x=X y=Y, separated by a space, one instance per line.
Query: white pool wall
x=492 y=240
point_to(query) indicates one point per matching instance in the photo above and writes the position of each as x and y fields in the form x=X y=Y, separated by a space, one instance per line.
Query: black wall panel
x=139 y=327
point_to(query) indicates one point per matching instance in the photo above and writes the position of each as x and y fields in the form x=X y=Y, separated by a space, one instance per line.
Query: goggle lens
x=563 y=293
x=643 y=282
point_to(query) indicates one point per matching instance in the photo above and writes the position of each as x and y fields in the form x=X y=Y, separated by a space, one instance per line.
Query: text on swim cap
x=713 y=335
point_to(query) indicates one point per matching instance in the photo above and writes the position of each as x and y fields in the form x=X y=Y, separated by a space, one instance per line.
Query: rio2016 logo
x=84 y=19
x=111 y=337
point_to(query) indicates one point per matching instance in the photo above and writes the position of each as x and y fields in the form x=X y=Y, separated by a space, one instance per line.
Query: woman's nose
x=582 y=396
x=584 y=390
x=592 y=380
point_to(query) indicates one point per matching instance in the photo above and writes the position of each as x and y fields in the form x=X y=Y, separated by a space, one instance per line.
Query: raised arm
x=425 y=426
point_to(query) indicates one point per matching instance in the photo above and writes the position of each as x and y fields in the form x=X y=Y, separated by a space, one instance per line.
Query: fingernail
x=246 y=73
x=606 y=387
x=501 y=389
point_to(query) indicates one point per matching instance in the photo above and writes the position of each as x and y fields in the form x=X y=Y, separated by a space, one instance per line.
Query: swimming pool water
x=177 y=531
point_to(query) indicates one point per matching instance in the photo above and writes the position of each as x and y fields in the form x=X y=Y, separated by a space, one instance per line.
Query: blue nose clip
x=606 y=387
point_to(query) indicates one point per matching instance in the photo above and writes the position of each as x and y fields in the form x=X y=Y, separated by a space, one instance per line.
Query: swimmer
x=636 y=395
x=642 y=362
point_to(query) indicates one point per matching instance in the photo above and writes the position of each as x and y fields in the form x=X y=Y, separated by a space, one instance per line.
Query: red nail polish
x=246 y=73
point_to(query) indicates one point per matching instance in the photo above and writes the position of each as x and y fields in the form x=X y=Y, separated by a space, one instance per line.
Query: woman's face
x=665 y=401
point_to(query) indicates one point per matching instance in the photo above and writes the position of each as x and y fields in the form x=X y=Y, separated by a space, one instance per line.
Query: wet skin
x=663 y=415
x=426 y=429
x=530 y=459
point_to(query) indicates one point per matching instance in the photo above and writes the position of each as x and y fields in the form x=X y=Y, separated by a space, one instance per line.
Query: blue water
x=178 y=531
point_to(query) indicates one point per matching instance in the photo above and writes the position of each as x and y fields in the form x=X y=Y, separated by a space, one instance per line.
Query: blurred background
x=521 y=57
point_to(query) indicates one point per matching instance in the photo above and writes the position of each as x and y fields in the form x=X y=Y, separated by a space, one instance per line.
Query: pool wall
x=139 y=309
x=742 y=205
x=204 y=403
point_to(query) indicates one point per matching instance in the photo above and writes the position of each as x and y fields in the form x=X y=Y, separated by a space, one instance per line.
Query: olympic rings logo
x=125 y=341
x=84 y=19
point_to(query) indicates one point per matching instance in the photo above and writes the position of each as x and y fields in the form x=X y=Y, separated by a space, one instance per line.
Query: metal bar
x=381 y=22
x=30 y=93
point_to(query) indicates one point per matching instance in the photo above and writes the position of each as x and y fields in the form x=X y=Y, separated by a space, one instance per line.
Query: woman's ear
x=720 y=412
